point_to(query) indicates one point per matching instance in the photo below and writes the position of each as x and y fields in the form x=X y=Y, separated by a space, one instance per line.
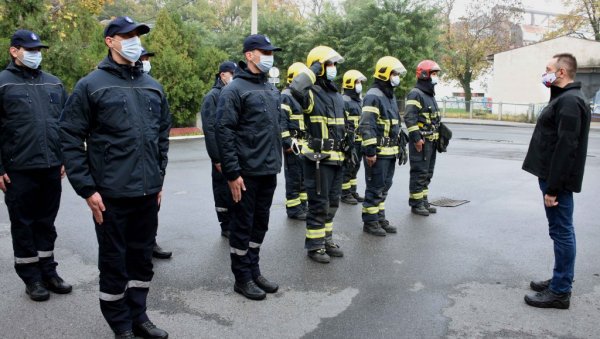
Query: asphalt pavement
x=461 y=273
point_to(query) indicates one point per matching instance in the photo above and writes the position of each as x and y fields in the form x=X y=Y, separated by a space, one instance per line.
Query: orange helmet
x=425 y=67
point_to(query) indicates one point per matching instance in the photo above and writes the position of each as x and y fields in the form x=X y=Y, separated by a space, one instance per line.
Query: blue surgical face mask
x=131 y=49
x=32 y=59
x=266 y=63
x=331 y=72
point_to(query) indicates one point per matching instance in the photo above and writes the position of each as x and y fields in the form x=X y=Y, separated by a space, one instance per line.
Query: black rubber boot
x=374 y=228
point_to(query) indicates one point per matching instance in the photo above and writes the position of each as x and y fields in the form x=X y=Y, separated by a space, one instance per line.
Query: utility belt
x=298 y=134
x=431 y=134
x=325 y=145
x=387 y=142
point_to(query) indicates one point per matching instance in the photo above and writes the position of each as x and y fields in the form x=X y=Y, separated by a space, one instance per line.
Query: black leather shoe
x=225 y=234
x=36 y=291
x=374 y=228
x=149 y=330
x=539 y=286
x=58 y=285
x=333 y=250
x=385 y=224
x=249 y=290
x=125 y=335
x=266 y=285
x=159 y=253
x=420 y=210
x=319 y=256
x=358 y=197
x=298 y=216
x=549 y=299
x=348 y=199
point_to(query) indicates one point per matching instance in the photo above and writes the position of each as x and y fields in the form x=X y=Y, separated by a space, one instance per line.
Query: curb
x=187 y=137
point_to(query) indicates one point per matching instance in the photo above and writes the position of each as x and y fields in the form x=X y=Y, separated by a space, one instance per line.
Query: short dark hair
x=568 y=62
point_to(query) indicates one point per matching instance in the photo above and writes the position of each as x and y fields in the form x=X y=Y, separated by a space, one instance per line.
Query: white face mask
x=434 y=80
x=358 y=88
x=548 y=79
x=32 y=59
x=331 y=72
x=131 y=49
x=395 y=80
x=147 y=66
x=266 y=63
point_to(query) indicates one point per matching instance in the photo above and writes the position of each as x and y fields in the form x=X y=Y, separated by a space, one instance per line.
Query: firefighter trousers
x=295 y=194
x=379 y=181
x=422 y=165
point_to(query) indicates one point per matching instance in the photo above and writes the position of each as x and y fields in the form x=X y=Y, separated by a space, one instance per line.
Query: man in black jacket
x=248 y=133
x=123 y=116
x=208 y=113
x=556 y=155
x=30 y=163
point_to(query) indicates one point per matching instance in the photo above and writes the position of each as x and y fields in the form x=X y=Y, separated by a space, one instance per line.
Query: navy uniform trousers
x=222 y=196
x=249 y=222
x=125 y=242
x=32 y=199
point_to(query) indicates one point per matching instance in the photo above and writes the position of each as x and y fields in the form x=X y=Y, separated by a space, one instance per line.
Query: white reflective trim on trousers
x=221 y=209
x=254 y=245
x=138 y=284
x=26 y=260
x=111 y=297
x=45 y=254
x=238 y=251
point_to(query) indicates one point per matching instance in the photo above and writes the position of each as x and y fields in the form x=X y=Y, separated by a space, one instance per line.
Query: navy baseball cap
x=123 y=25
x=146 y=53
x=227 y=66
x=27 y=39
x=259 y=41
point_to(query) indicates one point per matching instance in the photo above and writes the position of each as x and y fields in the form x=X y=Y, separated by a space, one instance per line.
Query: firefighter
x=380 y=129
x=208 y=113
x=295 y=194
x=423 y=120
x=323 y=155
x=352 y=85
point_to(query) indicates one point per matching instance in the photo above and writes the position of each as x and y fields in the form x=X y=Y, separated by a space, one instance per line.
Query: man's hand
x=4 y=179
x=371 y=160
x=237 y=186
x=159 y=198
x=550 y=201
x=419 y=145
x=62 y=172
x=218 y=167
x=97 y=206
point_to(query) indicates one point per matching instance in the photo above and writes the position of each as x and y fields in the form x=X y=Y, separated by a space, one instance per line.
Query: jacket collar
x=556 y=91
x=243 y=72
x=426 y=86
x=352 y=94
x=23 y=71
x=385 y=87
x=122 y=71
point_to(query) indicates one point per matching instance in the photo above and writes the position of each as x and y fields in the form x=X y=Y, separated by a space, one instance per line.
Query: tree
x=583 y=16
x=483 y=30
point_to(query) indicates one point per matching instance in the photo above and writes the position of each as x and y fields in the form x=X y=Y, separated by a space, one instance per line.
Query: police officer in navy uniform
x=30 y=163
x=123 y=116
x=248 y=134
x=208 y=113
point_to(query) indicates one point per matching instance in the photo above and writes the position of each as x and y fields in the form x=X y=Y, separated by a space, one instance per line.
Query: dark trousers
x=125 y=242
x=350 y=172
x=562 y=232
x=32 y=199
x=422 y=165
x=222 y=196
x=321 y=207
x=249 y=224
x=295 y=194
x=379 y=181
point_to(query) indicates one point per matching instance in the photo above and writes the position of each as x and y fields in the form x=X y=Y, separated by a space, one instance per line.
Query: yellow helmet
x=323 y=54
x=350 y=78
x=386 y=65
x=295 y=69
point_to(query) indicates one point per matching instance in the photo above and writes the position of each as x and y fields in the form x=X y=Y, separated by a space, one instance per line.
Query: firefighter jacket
x=208 y=114
x=249 y=126
x=422 y=117
x=30 y=106
x=324 y=118
x=352 y=108
x=294 y=118
x=122 y=115
x=558 y=147
x=380 y=121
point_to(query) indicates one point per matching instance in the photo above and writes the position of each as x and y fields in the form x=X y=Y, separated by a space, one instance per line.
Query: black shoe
x=358 y=197
x=298 y=216
x=539 y=286
x=225 y=234
x=266 y=285
x=125 y=335
x=420 y=210
x=58 y=285
x=333 y=250
x=149 y=330
x=549 y=299
x=385 y=224
x=374 y=228
x=37 y=291
x=349 y=199
x=319 y=256
x=249 y=290
x=159 y=253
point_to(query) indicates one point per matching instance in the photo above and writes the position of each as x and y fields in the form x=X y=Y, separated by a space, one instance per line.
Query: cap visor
x=34 y=45
x=150 y=54
x=270 y=48
x=140 y=28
